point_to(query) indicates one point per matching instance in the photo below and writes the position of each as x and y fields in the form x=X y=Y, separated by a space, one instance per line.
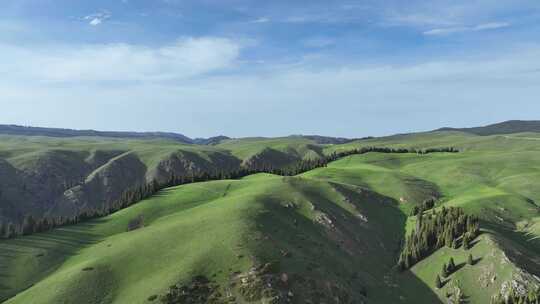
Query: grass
x=221 y=227
x=204 y=228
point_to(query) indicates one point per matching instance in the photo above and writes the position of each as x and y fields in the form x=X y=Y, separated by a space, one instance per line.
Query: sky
x=268 y=68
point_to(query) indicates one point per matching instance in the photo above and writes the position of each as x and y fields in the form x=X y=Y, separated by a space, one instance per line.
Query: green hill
x=330 y=240
x=65 y=177
x=331 y=235
x=507 y=127
x=53 y=177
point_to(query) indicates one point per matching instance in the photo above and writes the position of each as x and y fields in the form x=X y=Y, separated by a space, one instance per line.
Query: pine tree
x=444 y=271
x=466 y=241
x=449 y=240
x=451 y=266
x=438 y=282
x=28 y=225
x=455 y=244
x=10 y=230
x=470 y=260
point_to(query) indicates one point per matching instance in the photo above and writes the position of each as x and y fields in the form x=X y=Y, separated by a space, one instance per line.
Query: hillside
x=323 y=236
x=507 y=127
x=332 y=234
x=502 y=193
x=63 y=133
x=52 y=178
x=59 y=177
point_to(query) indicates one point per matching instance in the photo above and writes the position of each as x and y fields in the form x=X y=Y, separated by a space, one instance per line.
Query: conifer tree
x=438 y=282
x=470 y=260
x=444 y=271
x=466 y=241
x=451 y=266
x=455 y=244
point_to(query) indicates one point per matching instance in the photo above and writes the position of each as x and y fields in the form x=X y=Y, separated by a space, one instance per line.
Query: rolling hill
x=329 y=235
x=507 y=127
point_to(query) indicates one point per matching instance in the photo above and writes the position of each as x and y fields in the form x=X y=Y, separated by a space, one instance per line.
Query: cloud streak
x=261 y=20
x=463 y=29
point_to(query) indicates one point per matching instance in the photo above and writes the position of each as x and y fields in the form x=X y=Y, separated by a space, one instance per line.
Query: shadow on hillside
x=518 y=246
x=336 y=245
x=476 y=261
x=459 y=266
x=472 y=243
x=413 y=290
x=48 y=250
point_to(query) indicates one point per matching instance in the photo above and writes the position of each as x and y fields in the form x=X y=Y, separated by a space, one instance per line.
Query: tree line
x=436 y=230
x=31 y=224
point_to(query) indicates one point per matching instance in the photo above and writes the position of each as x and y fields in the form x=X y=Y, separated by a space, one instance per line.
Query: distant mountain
x=327 y=139
x=57 y=132
x=211 y=140
x=54 y=132
x=507 y=127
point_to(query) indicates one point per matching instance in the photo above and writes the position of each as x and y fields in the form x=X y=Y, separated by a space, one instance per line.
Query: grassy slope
x=495 y=177
x=43 y=165
x=296 y=146
x=21 y=151
x=203 y=229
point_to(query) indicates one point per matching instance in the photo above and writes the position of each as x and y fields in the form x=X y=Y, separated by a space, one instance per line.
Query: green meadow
x=334 y=232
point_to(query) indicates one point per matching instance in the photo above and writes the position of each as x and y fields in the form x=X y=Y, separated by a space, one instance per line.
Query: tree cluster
x=435 y=230
x=364 y=150
x=438 y=150
x=426 y=205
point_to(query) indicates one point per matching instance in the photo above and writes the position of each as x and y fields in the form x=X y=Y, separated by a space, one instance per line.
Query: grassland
x=214 y=229
x=330 y=229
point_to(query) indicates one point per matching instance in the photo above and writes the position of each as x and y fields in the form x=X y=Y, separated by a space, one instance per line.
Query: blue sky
x=268 y=68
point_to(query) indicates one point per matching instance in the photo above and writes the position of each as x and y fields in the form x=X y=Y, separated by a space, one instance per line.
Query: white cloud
x=440 y=14
x=187 y=57
x=418 y=19
x=491 y=26
x=95 y=21
x=261 y=20
x=340 y=100
x=97 y=18
x=462 y=29
x=446 y=31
